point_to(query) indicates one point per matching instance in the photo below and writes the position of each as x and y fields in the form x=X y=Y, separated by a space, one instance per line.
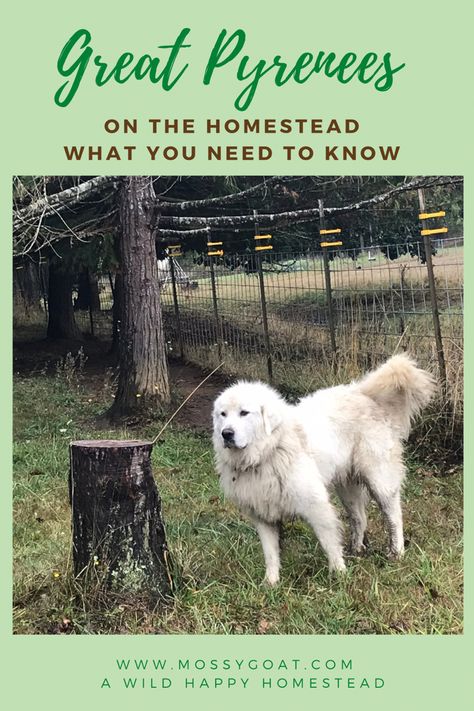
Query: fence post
x=263 y=303
x=44 y=290
x=327 y=281
x=176 y=307
x=215 y=309
x=433 y=295
x=91 y=318
x=111 y=282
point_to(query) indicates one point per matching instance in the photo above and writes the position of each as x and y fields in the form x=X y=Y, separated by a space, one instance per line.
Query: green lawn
x=216 y=552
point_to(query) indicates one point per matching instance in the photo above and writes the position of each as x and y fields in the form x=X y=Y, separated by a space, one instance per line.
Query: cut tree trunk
x=61 y=321
x=143 y=369
x=116 y=516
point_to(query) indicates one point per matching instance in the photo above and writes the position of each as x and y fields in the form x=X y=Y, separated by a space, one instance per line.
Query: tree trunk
x=117 y=310
x=116 y=516
x=143 y=369
x=61 y=321
x=94 y=292
x=26 y=292
x=87 y=292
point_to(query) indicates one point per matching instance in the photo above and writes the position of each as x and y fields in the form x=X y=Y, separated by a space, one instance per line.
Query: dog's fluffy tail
x=401 y=389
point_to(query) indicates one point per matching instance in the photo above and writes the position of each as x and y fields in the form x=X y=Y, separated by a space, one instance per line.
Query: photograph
x=238 y=404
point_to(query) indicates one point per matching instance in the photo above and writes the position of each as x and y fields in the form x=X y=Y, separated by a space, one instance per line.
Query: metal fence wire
x=279 y=327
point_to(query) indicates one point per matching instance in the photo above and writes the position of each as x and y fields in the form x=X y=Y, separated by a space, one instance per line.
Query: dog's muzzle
x=228 y=437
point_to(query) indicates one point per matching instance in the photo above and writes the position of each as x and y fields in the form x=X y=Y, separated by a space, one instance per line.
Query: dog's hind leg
x=355 y=498
x=384 y=484
x=391 y=507
x=270 y=540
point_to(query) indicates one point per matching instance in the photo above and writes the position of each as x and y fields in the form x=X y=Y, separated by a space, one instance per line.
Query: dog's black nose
x=228 y=434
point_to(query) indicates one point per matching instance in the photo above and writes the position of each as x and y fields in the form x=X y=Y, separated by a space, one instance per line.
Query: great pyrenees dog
x=277 y=460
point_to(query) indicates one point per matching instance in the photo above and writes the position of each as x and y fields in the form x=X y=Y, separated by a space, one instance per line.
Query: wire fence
x=272 y=317
x=283 y=317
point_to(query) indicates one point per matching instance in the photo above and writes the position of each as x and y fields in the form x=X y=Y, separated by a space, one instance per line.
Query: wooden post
x=116 y=516
x=176 y=307
x=263 y=304
x=111 y=282
x=433 y=296
x=215 y=308
x=44 y=288
x=327 y=281
x=91 y=319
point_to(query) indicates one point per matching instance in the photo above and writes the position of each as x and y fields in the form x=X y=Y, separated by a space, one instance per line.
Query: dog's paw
x=358 y=551
x=395 y=554
x=337 y=567
x=271 y=579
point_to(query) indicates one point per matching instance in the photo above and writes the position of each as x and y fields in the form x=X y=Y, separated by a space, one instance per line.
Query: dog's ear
x=271 y=419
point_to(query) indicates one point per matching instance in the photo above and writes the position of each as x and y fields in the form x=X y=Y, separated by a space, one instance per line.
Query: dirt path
x=196 y=414
x=39 y=356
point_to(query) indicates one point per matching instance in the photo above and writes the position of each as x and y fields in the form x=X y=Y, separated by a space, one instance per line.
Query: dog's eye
x=243 y=413
x=223 y=414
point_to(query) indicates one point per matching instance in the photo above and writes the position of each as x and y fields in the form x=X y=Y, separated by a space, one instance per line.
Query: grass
x=216 y=553
x=307 y=276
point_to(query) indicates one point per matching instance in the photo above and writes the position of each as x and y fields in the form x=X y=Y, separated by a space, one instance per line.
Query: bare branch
x=180 y=234
x=182 y=205
x=234 y=222
x=50 y=204
x=34 y=232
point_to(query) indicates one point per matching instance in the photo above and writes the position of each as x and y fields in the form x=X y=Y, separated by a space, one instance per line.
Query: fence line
x=378 y=304
x=381 y=300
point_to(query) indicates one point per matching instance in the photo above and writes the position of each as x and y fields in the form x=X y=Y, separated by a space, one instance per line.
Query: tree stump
x=116 y=516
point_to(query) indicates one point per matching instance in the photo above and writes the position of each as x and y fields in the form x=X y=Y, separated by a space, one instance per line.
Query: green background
x=426 y=113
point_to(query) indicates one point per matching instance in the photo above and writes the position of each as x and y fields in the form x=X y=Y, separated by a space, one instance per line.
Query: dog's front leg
x=322 y=517
x=270 y=540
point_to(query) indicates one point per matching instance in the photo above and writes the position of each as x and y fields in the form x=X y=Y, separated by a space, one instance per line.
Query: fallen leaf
x=263 y=626
x=65 y=626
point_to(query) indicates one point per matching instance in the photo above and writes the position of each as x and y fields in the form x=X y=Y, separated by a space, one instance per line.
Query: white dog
x=277 y=460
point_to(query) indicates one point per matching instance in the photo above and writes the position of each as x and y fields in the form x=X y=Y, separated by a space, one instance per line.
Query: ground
x=33 y=357
x=216 y=554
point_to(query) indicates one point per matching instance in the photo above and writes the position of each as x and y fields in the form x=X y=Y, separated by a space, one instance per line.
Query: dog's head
x=246 y=414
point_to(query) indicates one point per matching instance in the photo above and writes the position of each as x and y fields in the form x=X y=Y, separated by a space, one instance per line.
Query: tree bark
x=143 y=369
x=94 y=292
x=26 y=291
x=116 y=516
x=87 y=292
x=61 y=321
x=117 y=310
